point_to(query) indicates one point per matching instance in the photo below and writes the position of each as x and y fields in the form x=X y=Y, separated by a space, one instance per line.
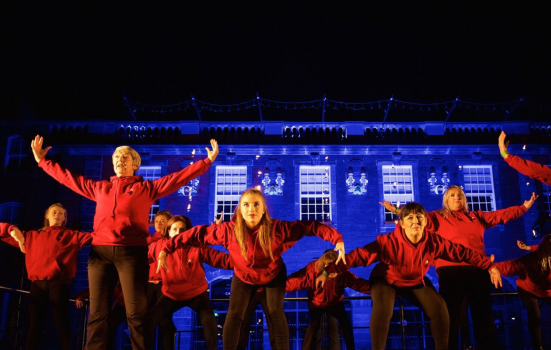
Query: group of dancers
x=154 y=276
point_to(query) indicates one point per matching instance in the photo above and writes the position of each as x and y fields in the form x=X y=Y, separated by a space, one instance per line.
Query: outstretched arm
x=503 y=145
x=38 y=152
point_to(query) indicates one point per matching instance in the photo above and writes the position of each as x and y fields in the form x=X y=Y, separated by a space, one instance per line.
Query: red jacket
x=258 y=268
x=154 y=276
x=403 y=263
x=185 y=278
x=468 y=229
x=531 y=278
x=333 y=290
x=51 y=253
x=534 y=170
x=123 y=203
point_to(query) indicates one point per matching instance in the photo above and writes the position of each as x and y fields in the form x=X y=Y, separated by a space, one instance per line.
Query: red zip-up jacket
x=51 y=253
x=534 y=170
x=258 y=268
x=468 y=229
x=123 y=203
x=333 y=290
x=403 y=263
x=531 y=277
x=186 y=276
x=154 y=276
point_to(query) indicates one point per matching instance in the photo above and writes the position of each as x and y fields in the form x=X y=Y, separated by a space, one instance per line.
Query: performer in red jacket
x=185 y=284
x=531 y=169
x=533 y=284
x=255 y=243
x=405 y=256
x=51 y=261
x=121 y=228
x=328 y=299
x=456 y=223
x=154 y=287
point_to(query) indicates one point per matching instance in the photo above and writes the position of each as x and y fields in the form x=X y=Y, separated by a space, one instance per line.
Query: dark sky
x=76 y=61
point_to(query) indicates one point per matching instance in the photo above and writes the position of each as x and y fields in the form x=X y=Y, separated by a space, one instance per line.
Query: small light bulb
x=193 y=152
x=460 y=167
x=257 y=187
x=257 y=156
x=524 y=147
x=188 y=207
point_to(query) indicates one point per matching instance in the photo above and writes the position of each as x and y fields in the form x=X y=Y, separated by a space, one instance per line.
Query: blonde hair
x=445 y=211
x=47 y=222
x=264 y=231
x=328 y=257
x=136 y=159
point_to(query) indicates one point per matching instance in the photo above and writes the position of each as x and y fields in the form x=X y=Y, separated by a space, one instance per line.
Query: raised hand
x=388 y=206
x=340 y=248
x=502 y=144
x=528 y=203
x=212 y=154
x=161 y=262
x=36 y=146
x=522 y=245
x=320 y=281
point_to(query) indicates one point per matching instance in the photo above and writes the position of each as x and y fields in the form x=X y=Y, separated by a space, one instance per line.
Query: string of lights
x=392 y=103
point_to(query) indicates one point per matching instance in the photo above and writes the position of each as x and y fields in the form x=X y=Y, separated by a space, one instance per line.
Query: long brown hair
x=264 y=231
x=47 y=222
x=544 y=253
x=176 y=218
x=328 y=257
x=445 y=211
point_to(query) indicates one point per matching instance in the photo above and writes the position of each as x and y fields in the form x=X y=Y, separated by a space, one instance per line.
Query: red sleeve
x=151 y=251
x=170 y=183
x=299 y=280
x=216 y=258
x=447 y=250
x=499 y=217
x=432 y=221
x=83 y=238
x=295 y=230
x=79 y=184
x=358 y=284
x=364 y=256
x=510 y=267
x=534 y=170
x=534 y=247
x=202 y=234
x=5 y=236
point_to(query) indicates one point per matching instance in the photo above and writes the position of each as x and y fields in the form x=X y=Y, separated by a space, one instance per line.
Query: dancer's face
x=123 y=164
x=56 y=216
x=176 y=228
x=414 y=224
x=252 y=209
x=456 y=200
x=160 y=223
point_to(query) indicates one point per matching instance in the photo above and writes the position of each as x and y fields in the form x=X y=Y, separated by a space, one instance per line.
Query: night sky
x=76 y=61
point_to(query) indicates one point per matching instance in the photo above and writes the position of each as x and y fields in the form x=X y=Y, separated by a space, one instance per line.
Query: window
x=479 y=187
x=15 y=151
x=11 y=212
x=397 y=187
x=151 y=173
x=315 y=193
x=231 y=181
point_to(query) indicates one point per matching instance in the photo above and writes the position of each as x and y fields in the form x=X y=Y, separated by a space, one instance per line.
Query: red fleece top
x=333 y=290
x=468 y=229
x=51 y=253
x=153 y=275
x=185 y=278
x=534 y=170
x=403 y=263
x=531 y=278
x=258 y=268
x=123 y=203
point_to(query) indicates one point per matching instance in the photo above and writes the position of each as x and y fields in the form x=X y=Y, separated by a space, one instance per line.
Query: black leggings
x=456 y=283
x=426 y=298
x=200 y=304
x=311 y=337
x=531 y=303
x=107 y=265
x=57 y=294
x=167 y=328
x=240 y=297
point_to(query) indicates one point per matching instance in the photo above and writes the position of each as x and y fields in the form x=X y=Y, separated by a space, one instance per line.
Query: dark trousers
x=240 y=297
x=531 y=303
x=200 y=304
x=311 y=337
x=167 y=327
x=260 y=297
x=56 y=294
x=456 y=283
x=106 y=266
x=426 y=298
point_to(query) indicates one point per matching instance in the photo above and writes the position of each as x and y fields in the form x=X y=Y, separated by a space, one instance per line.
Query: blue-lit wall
x=358 y=217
